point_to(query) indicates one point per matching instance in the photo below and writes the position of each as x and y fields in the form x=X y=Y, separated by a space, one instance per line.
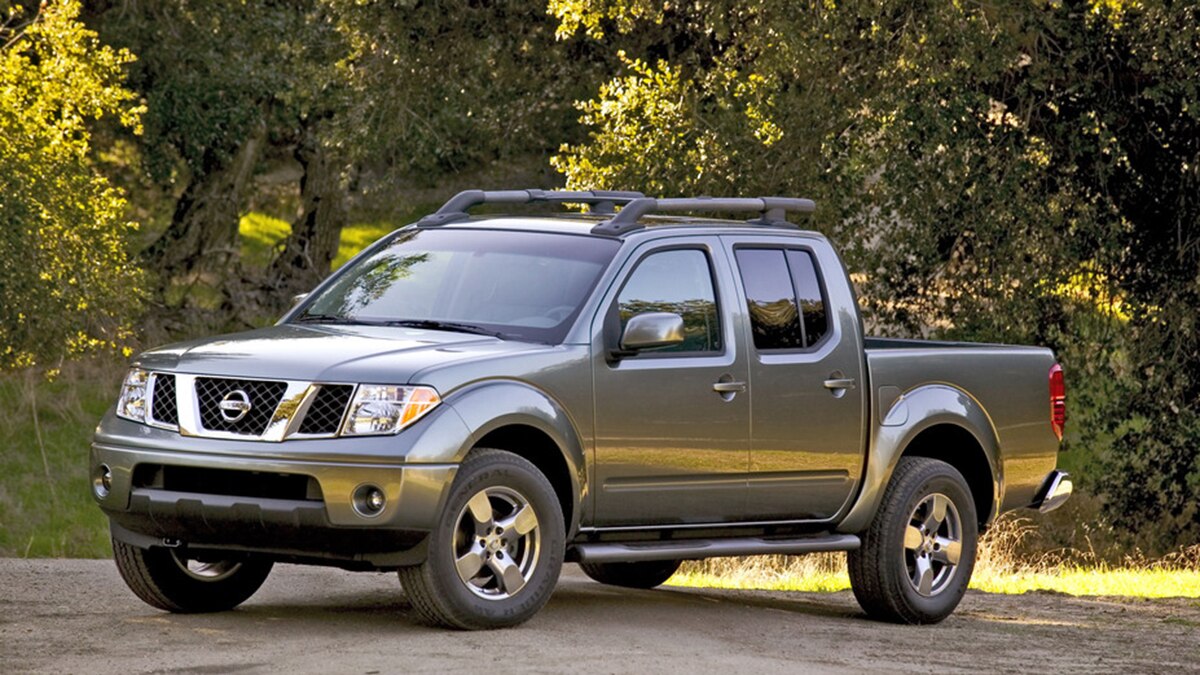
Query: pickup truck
x=473 y=401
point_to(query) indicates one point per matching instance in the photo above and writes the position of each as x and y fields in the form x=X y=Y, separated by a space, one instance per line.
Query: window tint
x=770 y=299
x=783 y=295
x=808 y=290
x=675 y=281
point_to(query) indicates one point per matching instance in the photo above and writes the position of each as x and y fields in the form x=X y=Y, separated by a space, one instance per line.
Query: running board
x=695 y=549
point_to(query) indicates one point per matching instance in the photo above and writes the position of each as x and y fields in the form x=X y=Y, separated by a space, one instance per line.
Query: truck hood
x=329 y=353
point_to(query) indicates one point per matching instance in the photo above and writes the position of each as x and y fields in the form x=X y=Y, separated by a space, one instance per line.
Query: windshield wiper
x=323 y=318
x=445 y=325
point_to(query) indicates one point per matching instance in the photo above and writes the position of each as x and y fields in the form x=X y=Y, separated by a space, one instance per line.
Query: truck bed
x=1004 y=387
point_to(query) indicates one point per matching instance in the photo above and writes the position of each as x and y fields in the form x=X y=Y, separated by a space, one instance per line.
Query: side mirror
x=299 y=298
x=650 y=330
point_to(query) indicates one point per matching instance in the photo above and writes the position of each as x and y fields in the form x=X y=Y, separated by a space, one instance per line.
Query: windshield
x=517 y=285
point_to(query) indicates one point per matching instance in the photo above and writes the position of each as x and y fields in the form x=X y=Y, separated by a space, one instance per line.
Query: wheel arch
x=958 y=447
x=527 y=422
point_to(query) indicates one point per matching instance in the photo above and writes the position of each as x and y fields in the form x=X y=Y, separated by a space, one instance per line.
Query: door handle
x=729 y=387
x=840 y=383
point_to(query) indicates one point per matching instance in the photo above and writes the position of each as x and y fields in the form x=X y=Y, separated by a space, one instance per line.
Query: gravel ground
x=76 y=616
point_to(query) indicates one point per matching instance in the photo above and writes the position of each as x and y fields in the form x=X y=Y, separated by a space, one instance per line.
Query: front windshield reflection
x=519 y=285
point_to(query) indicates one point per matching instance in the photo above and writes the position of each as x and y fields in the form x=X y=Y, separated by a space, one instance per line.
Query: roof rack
x=598 y=201
x=773 y=209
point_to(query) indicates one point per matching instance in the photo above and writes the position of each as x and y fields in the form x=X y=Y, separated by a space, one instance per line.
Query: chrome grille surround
x=279 y=407
x=163 y=403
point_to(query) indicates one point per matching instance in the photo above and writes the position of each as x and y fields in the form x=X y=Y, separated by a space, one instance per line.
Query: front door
x=671 y=448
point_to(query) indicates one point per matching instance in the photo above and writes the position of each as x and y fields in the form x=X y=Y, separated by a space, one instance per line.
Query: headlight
x=132 y=404
x=386 y=409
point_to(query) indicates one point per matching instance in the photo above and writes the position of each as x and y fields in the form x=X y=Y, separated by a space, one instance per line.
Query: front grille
x=226 y=482
x=325 y=414
x=166 y=407
x=262 y=396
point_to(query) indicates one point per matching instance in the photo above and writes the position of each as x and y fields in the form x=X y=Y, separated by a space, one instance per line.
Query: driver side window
x=678 y=281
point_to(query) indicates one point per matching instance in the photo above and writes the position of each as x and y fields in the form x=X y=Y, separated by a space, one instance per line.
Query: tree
x=354 y=99
x=229 y=86
x=1001 y=171
x=68 y=285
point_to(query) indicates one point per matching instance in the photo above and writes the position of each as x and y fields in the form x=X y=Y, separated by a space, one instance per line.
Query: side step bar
x=695 y=549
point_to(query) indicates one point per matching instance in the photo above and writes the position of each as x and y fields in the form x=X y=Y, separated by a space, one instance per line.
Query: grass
x=1000 y=568
x=261 y=235
x=46 y=508
x=826 y=573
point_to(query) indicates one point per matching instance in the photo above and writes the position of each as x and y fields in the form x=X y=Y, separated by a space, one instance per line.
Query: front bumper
x=316 y=524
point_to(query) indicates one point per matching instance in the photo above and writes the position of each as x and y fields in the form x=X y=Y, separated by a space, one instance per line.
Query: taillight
x=1058 y=401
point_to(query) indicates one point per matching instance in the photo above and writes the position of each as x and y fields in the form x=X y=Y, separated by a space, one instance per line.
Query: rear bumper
x=1055 y=491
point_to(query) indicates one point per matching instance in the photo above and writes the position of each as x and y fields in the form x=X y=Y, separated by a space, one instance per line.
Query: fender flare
x=914 y=412
x=486 y=406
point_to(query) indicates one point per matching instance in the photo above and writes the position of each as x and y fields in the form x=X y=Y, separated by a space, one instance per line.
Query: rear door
x=671 y=449
x=806 y=373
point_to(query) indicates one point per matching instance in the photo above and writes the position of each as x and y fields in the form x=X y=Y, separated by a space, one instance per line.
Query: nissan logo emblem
x=235 y=405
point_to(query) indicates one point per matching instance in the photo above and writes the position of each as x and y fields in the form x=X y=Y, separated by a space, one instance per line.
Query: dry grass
x=1004 y=565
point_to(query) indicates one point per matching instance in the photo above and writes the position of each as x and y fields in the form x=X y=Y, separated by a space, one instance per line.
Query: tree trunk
x=309 y=250
x=203 y=234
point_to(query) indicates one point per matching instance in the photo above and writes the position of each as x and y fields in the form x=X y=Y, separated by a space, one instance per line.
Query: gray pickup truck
x=473 y=401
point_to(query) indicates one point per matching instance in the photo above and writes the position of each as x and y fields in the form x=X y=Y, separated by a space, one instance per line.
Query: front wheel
x=917 y=556
x=497 y=549
x=167 y=578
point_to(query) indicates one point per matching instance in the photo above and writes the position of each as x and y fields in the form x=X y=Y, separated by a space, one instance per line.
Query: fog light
x=102 y=480
x=369 y=500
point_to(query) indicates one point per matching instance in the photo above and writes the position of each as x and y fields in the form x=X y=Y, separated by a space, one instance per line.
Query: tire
x=905 y=570
x=166 y=579
x=646 y=574
x=476 y=574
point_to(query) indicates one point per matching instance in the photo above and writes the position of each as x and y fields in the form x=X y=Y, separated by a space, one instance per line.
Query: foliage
x=68 y=285
x=438 y=88
x=974 y=160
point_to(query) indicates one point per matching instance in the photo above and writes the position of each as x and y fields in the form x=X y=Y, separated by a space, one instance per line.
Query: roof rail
x=773 y=209
x=599 y=201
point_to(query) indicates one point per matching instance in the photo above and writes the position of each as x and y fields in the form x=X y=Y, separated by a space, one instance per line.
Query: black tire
x=905 y=575
x=161 y=578
x=645 y=574
x=485 y=536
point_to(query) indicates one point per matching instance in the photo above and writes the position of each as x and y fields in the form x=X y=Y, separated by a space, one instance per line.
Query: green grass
x=1130 y=582
x=261 y=235
x=46 y=508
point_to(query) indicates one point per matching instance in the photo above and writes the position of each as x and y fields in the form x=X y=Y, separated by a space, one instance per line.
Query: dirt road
x=75 y=616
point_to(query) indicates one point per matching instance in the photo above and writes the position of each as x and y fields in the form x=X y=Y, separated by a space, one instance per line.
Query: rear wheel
x=496 y=552
x=646 y=574
x=917 y=556
x=167 y=578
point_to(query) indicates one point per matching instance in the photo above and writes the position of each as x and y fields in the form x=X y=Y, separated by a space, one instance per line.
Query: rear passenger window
x=678 y=281
x=770 y=299
x=808 y=290
x=783 y=296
